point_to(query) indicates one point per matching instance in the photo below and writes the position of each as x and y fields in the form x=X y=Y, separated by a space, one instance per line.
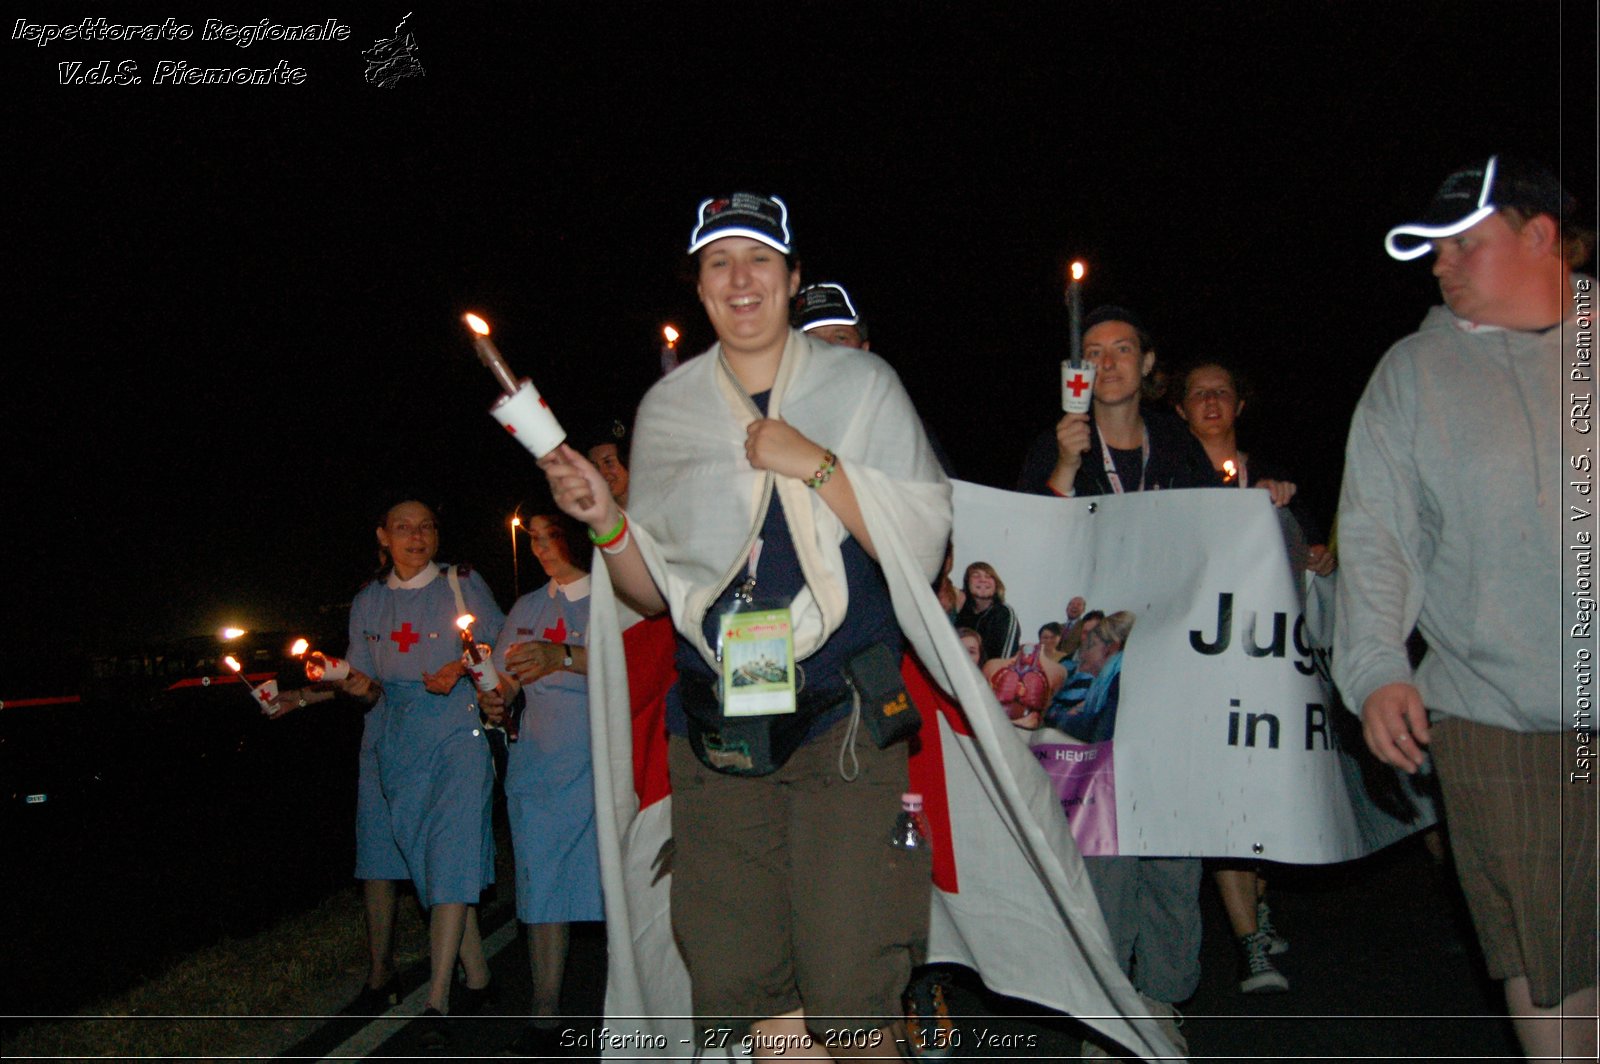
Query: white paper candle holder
x=527 y=417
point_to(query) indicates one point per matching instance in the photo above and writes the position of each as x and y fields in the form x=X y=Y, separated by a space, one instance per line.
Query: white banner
x=1227 y=740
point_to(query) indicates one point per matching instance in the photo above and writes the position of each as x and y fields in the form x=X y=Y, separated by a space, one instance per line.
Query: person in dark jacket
x=1119 y=445
x=1151 y=904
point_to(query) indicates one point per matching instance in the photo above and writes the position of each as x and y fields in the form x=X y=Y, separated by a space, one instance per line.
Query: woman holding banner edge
x=1151 y=904
x=1210 y=402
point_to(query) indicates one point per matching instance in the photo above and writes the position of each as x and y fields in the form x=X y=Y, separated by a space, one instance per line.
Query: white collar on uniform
x=576 y=591
x=428 y=575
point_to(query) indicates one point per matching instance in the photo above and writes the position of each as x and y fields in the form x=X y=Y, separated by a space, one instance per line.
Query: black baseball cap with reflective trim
x=1474 y=192
x=763 y=218
x=817 y=305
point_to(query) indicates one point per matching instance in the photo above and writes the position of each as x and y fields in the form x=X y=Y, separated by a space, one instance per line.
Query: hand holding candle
x=320 y=667
x=479 y=660
x=477 y=657
x=1077 y=385
x=1077 y=375
x=579 y=490
x=522 y=410
x=265 y=695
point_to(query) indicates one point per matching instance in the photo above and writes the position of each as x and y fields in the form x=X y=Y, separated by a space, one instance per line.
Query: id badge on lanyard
x=755 y=647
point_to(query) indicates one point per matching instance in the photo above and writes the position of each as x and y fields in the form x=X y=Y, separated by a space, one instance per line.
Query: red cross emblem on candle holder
x=1077 y=385
x=405 y=637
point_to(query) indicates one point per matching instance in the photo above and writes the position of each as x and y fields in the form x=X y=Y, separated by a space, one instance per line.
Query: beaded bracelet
x=610 y=537
x=824 y=471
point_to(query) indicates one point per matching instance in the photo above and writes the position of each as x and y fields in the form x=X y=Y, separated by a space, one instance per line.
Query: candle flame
x=232 y=633
x=476 y=324
x=300 y=647
x=233 y=664
x=464 y=621
x=516 y=522
x=1229 y=470
x=670 y=333
x=1078 y=270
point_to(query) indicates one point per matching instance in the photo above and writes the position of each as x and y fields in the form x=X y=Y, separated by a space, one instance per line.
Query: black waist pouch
x=886 y=708
x=746 y=746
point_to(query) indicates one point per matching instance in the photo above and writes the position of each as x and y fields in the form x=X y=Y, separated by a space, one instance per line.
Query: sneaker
x=1260 y=977
x=1264 y=925
x=930 y=1034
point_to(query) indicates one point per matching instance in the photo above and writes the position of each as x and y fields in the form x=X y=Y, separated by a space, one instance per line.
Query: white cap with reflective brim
x=763 y=218
x=1465 y=199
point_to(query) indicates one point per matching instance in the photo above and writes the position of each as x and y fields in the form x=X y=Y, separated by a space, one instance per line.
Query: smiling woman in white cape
x=1016 y=905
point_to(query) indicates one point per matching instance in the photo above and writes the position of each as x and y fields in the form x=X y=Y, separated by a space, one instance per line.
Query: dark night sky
x=234 y=315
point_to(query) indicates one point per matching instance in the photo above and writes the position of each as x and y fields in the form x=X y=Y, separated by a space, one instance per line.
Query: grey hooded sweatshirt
x=1451 y=519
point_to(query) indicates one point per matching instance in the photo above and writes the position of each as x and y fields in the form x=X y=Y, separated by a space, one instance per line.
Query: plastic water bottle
x=910 y=827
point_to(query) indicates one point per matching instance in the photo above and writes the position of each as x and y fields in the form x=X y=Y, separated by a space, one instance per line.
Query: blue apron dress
x=427 y=779
x=549 y=774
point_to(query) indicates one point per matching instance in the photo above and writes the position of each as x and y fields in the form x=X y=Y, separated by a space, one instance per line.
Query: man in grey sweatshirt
x=1454 y=520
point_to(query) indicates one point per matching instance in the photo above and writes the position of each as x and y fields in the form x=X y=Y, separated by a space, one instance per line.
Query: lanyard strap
x=1111 y=467
x=746 y=592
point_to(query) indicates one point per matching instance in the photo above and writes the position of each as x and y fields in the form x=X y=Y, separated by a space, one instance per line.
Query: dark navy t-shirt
x=869 y=619
x=1129 y=465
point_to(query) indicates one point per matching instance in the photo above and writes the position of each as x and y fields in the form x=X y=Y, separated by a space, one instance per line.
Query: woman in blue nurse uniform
x=549 y=775
x=426 y=776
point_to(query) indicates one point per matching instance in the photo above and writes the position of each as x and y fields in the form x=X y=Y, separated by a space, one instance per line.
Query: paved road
x=1382 y=967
